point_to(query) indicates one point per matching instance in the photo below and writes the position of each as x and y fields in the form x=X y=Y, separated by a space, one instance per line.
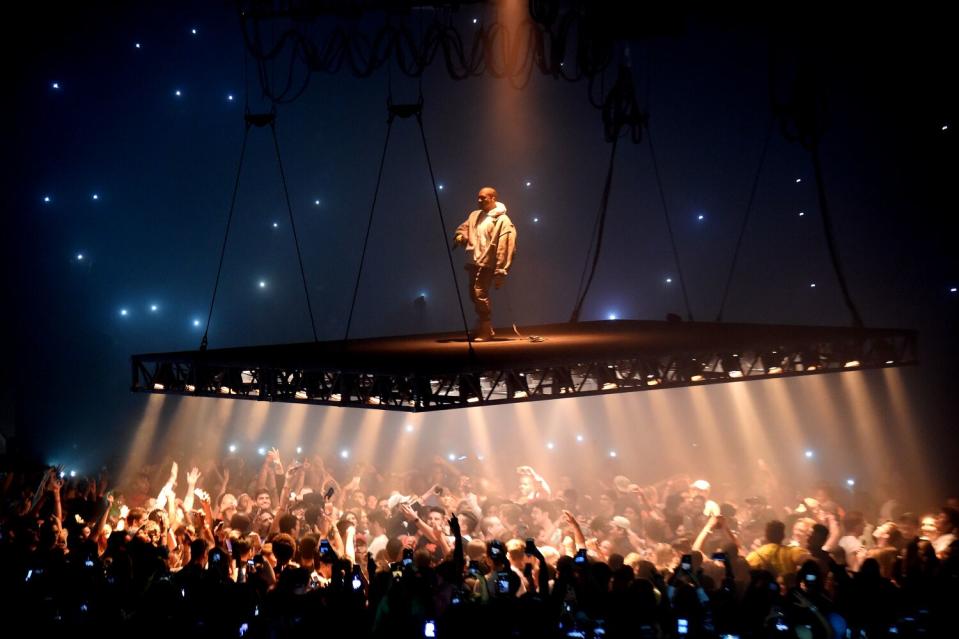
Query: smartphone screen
x=682 y=626
x=530 y=546
x=429 y=629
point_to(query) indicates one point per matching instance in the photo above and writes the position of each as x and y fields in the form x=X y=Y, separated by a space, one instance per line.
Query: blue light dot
x=196 y=322
x=230 y=97
x=798 y=180
x=612 y=316
x=154 y=308
x=261 y=450
x=669 y=280
x=79 y=257
x=262 y=284
x=47 y=199
x=536 y=220
x=96 y=196
x=475 y=20
x=953 y=289
x=55 y=85
x=700 y=217
x=451 y=457
x=276 y=225
x=178 y=93
x=232 y=448
x=193 y=31
x=440 y=187
x=123 y=312
x=810 y=454
x=316 y=202
x=137 y=45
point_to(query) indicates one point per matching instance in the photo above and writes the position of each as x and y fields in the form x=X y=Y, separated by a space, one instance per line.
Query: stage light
x=479 y=457
x=154 y=308
x=262 y=284
x=63 y=474
x=612 y=316
x=612 y=453
x=178 y=93
x=261 y=450
x=812 y=285
x=579 y=438
x=409 y=428
x=669 y=280
x=850 y=482
x=299 y=450
x=96 y=196
x=316 y=202
x=46 y=199
x=798 y=180
x=137 y=45
x=851 y=364
x=344 y=453
x=439 y=186
x=301 y=394
x=810 y=454
x=158 y=386
x=700 y=217
x=536 y=220
x=190 y=388
x=953 y=289
x=732 y=366
x=56 y=85
x=196 y=322
x=229 y=97
x=73 y=473
x=124 y=312
x=802 y=214
x=475 y=20
x=451 y=457
x=193 y=31
x=550 y=445
x=528 y=184
x=232 y=448
x=945 y=127
x=276 y=225
x=79 y=257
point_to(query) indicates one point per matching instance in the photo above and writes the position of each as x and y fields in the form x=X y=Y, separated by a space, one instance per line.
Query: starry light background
x=126 y=128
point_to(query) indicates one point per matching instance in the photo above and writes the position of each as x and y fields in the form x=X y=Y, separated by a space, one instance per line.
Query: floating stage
x=443 y=371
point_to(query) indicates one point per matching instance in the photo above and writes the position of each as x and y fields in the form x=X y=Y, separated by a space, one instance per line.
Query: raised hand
x=174 y=471
x=454 y=526
x=193 y=476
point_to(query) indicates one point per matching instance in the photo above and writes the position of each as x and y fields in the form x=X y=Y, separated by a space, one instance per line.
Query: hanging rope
x=601 y=223
x=803 y=119
x=669 y=226
x=439 y=210
x=296 y=241
x=226 y=235
x=742 y=228
x=369 y=224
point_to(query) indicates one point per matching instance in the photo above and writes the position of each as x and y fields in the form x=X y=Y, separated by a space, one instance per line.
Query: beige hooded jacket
x=494 y=248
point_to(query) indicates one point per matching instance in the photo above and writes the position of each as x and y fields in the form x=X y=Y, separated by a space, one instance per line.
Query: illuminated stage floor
x=436 y=371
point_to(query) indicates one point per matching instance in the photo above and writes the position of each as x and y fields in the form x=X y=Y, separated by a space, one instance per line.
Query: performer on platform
x=490 y=241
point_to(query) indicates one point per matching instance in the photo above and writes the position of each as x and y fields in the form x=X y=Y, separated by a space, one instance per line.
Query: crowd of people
x=259 y=548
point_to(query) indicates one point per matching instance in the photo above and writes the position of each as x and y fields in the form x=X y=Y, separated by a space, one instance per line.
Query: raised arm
x=578 y=537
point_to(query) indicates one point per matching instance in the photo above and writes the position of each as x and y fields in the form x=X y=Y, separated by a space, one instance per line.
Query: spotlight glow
x=409 y=428
x=812 y=285
x=261 y=450
x=669 y=280
x=579 y=438
x=451 y=457
x=528 y=184
x=612 y=453
x=802 y=214
x=262 y=284
x=56 y=85
x=475 y=20
x=178 y=93
x=810 y=454
x=229 y=97
x=124 y=312
x=96 y=196
x=536 y=220
x=612 y=316
x=299 y=450
x=945 y=127
x=137 y=45
x=46 y=199
x=316 y=202
x=232 y=448
x=73 y=473
x=550 y=445
x=798 y=180
x=193 y=30
x=439 y=186
x=700 y=217
x=154 y=308
x=953 y=289
x=276 y=225
x=850 y=482
x=196 y=322
x=344 y=454
x=79 y=257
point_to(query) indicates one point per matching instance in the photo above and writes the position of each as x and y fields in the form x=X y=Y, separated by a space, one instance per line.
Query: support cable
x=226 y=235
x=742 y=228
x=669 y=226
x=296 y=242
x=439 y=210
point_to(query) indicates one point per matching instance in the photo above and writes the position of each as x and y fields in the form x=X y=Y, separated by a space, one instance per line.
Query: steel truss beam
x=412 y=386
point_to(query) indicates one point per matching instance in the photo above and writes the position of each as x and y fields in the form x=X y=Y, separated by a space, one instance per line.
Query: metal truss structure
x=437 y=372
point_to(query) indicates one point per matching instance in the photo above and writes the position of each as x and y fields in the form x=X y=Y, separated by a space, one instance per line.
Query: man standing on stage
x=490 y=241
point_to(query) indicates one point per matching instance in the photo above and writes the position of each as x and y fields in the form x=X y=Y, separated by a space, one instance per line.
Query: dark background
x=163 y=168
